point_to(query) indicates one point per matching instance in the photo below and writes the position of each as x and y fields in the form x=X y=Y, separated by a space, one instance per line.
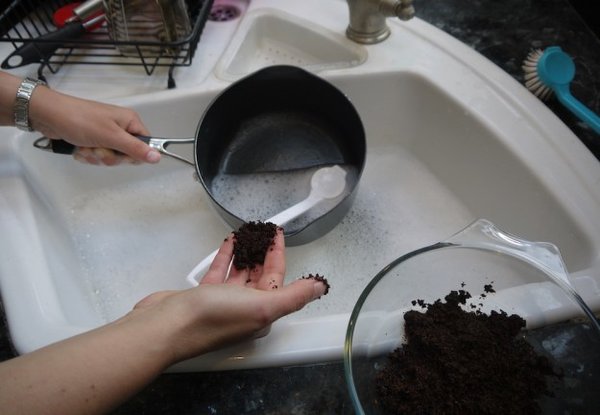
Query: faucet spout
x=368 y=18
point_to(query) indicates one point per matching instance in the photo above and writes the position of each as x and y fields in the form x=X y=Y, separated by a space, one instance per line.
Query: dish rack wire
x=23 y=21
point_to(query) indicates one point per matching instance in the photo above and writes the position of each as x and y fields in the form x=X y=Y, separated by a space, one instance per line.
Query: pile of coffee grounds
x=462 y=362
x=318 y=277
x=251 y=243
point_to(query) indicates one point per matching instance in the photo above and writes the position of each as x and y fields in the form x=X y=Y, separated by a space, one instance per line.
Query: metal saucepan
x=259 y=141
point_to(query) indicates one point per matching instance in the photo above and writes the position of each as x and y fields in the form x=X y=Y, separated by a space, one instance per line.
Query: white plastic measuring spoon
x=325 y=183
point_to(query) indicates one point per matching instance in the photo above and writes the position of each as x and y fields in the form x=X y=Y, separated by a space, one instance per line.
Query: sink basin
x=451 y=138
x=271 y=37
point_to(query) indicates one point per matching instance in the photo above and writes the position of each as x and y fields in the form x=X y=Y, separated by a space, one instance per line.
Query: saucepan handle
x=63 y=147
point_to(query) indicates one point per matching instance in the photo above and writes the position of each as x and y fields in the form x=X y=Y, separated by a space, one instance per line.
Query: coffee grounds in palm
x=459 y=362
x=251 y=243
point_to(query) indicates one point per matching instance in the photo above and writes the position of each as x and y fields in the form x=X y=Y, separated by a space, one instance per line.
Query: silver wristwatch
x=21 y=108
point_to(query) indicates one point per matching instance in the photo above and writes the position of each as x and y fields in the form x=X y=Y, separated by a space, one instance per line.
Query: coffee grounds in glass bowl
x=251 y=243
x=463 y=362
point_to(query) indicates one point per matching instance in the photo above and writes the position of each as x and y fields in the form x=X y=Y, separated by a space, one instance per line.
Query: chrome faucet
x=368 y=18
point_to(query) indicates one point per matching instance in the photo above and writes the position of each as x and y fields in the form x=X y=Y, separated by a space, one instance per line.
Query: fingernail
x=320 y=289
x=105 y=156
x=153 y=156
x=84 y=152
x=321 y=286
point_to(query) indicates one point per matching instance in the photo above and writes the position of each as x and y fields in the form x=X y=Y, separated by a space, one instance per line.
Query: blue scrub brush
x=552 y=70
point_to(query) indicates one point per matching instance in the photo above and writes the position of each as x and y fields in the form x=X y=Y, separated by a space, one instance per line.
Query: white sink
x=451 y=138
x=271 y=37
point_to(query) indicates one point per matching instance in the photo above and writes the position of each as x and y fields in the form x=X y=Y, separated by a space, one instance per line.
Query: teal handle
x=556 y=70
x=576 y=107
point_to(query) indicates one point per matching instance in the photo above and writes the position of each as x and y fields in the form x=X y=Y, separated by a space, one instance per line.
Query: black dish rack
x=24 y=21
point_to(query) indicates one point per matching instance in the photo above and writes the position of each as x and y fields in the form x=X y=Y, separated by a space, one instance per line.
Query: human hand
x=102 y=133
x=226 y=308
x=99 y=369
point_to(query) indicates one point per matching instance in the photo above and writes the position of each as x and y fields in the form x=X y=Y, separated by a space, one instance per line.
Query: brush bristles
x=532 y=80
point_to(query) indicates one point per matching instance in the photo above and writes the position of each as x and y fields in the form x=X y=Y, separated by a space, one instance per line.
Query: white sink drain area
x=451 y=138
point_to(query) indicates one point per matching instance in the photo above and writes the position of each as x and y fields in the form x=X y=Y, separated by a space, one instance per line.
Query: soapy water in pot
x=262 y=195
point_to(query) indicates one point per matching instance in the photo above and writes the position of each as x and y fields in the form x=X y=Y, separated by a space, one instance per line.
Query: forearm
x=87 y=374
x=45 y=107
x=8 y=91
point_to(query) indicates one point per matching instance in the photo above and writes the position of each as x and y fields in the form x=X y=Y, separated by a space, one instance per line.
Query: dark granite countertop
x=503 y=31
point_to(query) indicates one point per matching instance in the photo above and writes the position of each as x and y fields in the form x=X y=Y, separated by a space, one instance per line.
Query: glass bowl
x=503 y=274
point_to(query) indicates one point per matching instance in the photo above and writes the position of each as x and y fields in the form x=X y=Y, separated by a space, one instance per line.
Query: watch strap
x=21 y=108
